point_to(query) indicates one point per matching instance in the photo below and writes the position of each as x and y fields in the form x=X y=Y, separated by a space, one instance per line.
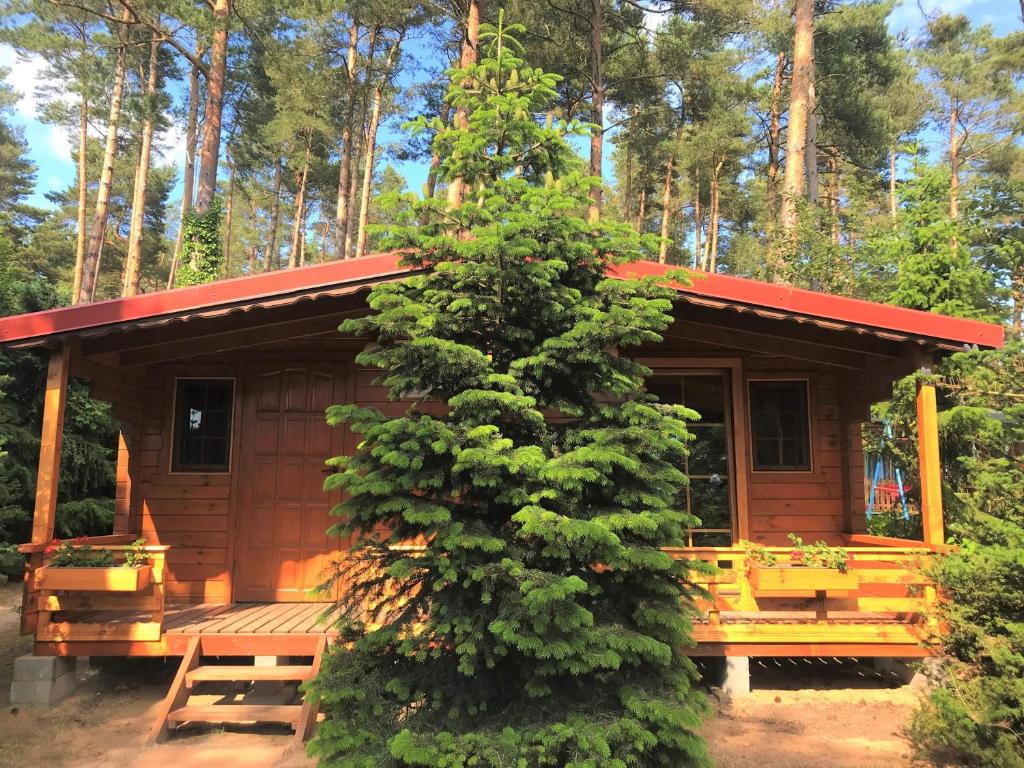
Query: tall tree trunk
x=83 y=197
x=133 y=261
x=435 y=157
x=774 y=147
x=796 y=133
x=1017 y=297
x=371 y=144
x=597 y=108
x=666 y=210
x=271 y=262
x=954 y=167
x=698 y=223
x=188 y=177
x=360 y=146
x=716 y=197
x=892 y=183
x=833 y=194
x=470 y=41
x=345 y=166
x=627 y=188
x=641 y=210
x=229 y=211
x=91 y=266
x=252 y=260
x=302 y=234
x=774 y=135
x=300 y=206
x=209 y=155
x=811 y=148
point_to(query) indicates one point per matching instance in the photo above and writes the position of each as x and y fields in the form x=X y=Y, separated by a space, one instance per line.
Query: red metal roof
x=799 y=303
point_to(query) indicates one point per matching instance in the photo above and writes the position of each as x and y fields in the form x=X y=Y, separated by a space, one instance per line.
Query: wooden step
x=237 y=713
x=248 y=673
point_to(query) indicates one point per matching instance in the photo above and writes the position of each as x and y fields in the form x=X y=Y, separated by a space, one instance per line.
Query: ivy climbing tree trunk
x=188 y=181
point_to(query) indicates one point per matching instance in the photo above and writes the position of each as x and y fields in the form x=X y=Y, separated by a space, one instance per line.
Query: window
x=779 y=426
x=708 y=496
x=202 y=425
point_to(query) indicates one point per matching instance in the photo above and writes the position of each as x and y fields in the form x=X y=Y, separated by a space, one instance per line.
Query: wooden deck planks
x=247 y=619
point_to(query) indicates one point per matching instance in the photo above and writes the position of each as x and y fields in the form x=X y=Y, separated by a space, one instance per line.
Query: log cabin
x=220 y=391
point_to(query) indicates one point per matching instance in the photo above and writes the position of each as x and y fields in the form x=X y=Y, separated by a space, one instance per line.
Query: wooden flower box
x=800 y=580
x=117 y=578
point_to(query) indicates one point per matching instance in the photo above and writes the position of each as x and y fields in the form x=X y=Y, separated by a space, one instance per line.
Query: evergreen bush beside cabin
x=538 y=623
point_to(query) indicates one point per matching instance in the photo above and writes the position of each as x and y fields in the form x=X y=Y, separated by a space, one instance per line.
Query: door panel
x=282 y=546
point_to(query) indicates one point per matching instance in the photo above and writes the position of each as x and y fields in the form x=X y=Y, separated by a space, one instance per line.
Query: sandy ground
x=797 y=717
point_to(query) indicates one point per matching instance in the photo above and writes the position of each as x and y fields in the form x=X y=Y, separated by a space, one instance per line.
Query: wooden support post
x=930 y=466
x=50 y=444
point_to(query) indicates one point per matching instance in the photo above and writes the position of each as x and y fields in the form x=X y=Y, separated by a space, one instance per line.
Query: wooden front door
x=282 y=512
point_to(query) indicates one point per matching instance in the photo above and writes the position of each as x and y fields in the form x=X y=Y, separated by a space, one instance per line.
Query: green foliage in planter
x=67 y=554
x=202 y=255
x=818 y=555
x=539 y=624
x=976 y=716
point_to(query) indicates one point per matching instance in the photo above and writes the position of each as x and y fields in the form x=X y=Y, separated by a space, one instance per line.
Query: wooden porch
x=889 y=612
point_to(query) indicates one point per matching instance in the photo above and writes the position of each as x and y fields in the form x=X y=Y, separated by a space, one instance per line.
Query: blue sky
x=50 y=146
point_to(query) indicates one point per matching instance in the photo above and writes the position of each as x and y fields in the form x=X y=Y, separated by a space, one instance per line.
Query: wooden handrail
x=889 y=542
x=113 y=542
x=89 y=541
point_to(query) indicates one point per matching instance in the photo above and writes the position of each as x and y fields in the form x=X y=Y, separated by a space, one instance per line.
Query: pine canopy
x=539 y=622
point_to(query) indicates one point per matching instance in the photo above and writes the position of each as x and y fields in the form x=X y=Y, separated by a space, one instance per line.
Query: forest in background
x=770 y=139
x=778 y=140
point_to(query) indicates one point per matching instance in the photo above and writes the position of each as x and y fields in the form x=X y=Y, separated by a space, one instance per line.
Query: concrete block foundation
x=736 y=681
x=42 y=680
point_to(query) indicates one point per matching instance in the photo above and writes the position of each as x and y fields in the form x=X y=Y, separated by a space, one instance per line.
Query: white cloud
x=25 y=76
x=57 y=141
x=172 y=144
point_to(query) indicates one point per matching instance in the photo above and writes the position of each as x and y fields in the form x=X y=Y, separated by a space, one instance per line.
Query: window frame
x=730 y=375
x=810 y=401
x=173 y=467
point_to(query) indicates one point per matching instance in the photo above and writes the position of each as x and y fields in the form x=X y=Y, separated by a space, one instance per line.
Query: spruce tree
x=520 y=610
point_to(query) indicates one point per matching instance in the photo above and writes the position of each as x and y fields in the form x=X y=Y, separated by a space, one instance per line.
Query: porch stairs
x=176 y=708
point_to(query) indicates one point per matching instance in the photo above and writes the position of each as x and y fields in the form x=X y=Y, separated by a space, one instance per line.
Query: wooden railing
x=892 y=603
x=72 y=614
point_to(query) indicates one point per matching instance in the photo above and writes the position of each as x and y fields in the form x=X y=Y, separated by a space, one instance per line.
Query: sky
x=50 y=147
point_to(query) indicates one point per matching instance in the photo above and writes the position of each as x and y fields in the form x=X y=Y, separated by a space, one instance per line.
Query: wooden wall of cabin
x=192 y=512
x=821 y=503
x=188 y=511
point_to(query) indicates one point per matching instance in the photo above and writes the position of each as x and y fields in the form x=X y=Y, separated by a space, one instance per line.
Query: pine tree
x=539 y=622
x=976 y=715
x=937 y=272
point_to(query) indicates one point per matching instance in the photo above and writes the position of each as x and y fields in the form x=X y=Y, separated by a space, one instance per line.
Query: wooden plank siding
x=194 y=513
x=813 y=505
x=188 y=512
